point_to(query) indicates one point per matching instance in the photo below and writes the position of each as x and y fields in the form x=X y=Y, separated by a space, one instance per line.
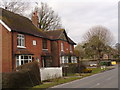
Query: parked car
x=93 y=64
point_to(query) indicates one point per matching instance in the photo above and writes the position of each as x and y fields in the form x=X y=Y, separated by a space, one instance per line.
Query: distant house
x=23 y=42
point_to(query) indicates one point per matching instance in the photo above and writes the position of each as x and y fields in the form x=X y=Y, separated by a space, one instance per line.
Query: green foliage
x=97 y=42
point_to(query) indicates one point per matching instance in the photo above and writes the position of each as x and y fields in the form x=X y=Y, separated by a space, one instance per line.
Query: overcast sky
x=78 y=16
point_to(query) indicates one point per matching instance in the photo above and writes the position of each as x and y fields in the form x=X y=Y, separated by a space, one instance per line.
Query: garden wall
x=50 y=73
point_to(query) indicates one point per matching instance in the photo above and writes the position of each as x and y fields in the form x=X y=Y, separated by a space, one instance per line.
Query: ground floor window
x=22 y=59
x=64 y=59
x=73 y=59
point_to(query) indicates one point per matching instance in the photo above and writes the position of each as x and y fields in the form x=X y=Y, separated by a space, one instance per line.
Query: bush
x=86 y=71
x=73 y=68
x=28 y=75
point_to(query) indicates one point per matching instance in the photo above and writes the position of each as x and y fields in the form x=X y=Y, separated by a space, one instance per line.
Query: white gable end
x=5 y=25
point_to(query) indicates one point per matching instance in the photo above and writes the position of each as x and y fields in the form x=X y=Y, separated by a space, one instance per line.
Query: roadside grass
x=70 y=77
x=56 y=82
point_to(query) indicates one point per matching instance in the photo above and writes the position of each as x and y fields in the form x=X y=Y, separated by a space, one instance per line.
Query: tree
x=48 y=20
x=79 y=51
x=97 y=41
x=15 y=6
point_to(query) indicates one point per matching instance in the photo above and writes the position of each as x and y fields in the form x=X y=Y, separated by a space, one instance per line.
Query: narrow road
x=107 y=79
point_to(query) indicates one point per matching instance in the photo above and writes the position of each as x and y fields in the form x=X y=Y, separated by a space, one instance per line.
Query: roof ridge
x=54 y=30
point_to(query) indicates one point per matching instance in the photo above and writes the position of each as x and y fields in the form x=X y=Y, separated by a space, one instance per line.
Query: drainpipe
x=12 y=52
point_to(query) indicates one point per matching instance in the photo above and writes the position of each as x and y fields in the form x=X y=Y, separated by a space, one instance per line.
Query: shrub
x=86 y=71
x=27 y=75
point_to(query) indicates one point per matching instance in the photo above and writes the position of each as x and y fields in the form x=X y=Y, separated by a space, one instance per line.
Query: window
x=20 y=40
x=62 y=47
x=22 y=59
x=73 y=59
x=34 y=42
x=44 y=43
x=70 y=48
x=64 y=59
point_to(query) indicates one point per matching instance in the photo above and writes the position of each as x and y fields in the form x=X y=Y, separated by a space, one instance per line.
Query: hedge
x=28 y=75
x=73 y=68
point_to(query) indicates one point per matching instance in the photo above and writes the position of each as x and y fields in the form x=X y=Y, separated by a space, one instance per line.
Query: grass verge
x=62 y=80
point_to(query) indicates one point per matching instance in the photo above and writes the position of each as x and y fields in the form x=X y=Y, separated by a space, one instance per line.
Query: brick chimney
x=35 y=18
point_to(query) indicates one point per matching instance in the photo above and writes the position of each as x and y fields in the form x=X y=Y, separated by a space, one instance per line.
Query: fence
x=50 y=73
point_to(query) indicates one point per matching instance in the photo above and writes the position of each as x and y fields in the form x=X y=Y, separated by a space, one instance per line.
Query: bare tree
x=15 y=6
x=79 y=51
x=100 y=32
x=48 y=19
x=98 y=39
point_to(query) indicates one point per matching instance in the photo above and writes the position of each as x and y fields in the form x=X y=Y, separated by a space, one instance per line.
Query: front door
x=46 y=61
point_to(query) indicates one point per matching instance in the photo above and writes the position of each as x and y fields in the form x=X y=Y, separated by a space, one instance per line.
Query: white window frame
x=63 y=59
x=62 y=46
x=73 y=59
x=20 y=41
x=34 y=42
x=19 y=59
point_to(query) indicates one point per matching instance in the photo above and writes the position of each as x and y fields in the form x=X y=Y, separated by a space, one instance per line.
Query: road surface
x=107 y=79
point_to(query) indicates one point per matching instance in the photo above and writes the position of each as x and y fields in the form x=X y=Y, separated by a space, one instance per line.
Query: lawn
x=69 y=78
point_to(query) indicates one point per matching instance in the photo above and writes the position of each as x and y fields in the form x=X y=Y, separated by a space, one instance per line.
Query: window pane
x=22 y=57
x=25 y=57
x=26 y=61
x=62 y=47
x=17 y=63
x=30 y=57
x=20 y=40
x=22 y=62
x=17 y=57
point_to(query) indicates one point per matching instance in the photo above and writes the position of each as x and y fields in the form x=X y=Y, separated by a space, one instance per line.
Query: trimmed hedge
x=28 y=75
x=73 y=68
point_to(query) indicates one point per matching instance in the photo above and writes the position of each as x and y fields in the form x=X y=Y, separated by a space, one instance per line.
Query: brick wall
x=6 y=50
x=56 y=49
x=66 y=46
x=35 y=49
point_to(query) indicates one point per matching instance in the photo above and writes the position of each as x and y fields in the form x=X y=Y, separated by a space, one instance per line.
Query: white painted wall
x=50 y=73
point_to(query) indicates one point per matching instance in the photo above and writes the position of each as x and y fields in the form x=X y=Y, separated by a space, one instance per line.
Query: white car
x=93 y=64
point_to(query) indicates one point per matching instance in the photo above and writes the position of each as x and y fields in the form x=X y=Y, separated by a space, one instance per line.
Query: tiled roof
x=20 y=24
x=55 y=35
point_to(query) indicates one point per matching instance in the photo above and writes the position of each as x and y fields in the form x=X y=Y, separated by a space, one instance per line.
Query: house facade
x=23 y=42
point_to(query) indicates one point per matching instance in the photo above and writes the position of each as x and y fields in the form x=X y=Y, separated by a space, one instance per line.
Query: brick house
x=23 y=42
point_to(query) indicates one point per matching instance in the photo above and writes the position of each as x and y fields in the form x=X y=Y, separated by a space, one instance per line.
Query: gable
x=1 y=22
x=15 y=22
x=63 y=37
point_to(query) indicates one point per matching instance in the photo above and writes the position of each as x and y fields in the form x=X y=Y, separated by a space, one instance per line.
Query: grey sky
x=78 y=16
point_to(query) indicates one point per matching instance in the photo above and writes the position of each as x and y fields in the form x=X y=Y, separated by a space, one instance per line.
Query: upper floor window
x=62 y=47
x=34 y=42
x=44 y=43
x=71 y=48
x=21 y=40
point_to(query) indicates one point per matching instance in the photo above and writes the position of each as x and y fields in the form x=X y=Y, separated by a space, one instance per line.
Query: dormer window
x=20 y=40
x=62 y=47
